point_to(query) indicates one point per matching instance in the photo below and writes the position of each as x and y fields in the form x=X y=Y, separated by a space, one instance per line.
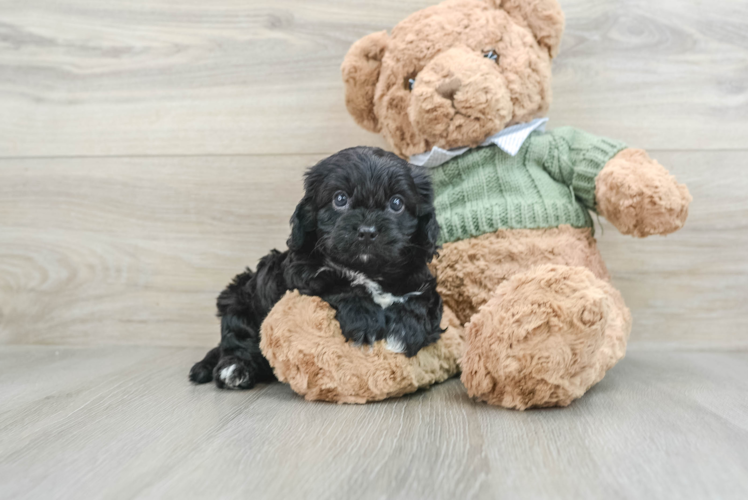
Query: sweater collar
x=509 y=140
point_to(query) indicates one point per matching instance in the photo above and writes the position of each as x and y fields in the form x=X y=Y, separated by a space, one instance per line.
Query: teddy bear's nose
x=448 y=88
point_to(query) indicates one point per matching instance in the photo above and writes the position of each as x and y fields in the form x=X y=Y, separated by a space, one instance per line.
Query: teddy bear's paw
x=639 y=197
x=234 y=373
x=545 y=337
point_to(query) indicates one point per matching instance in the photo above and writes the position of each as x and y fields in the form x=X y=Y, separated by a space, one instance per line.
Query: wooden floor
x=125 y=423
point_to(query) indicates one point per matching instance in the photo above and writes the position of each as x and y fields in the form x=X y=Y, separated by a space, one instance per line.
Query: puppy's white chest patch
x=378 y=295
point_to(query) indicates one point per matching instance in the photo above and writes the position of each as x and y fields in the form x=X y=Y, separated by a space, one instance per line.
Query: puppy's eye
x=340 y=199
x=397 y=204
x=492 y=55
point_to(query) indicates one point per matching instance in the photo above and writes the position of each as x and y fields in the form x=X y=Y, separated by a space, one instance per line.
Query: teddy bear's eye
x=409 y=82
x=492 y=55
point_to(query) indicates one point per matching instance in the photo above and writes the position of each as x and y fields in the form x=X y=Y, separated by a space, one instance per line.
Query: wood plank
x=134 y=250
x=660 y=425
x=83 y=78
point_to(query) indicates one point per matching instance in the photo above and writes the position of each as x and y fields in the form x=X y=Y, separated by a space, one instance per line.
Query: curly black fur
x=357 y=257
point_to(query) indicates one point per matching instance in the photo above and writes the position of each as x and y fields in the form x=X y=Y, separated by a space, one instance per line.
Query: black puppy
x=360 y=239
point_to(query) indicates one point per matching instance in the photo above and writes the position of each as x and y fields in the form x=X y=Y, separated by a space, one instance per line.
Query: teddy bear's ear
x=360 y=74
x=544 y=18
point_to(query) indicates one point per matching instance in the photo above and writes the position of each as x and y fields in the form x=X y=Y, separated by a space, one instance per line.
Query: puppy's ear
x=427 y=233
x=360 y=75
x=303 y=227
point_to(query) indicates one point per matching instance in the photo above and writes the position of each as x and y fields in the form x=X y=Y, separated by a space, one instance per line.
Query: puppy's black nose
x=367 y=233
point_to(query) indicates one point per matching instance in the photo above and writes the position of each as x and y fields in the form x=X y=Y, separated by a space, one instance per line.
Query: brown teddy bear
x=462 y=87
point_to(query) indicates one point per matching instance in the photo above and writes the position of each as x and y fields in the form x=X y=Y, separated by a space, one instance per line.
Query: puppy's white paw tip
x=395 y=345
x=231 y=378
x=227 y=372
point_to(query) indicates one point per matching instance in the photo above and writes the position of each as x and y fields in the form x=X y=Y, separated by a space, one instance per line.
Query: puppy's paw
x=395 y=343
x=234 y=373
x=407 y=342
x=201 y=373
x=409 y=334
x=358 y=336
x=362 y=324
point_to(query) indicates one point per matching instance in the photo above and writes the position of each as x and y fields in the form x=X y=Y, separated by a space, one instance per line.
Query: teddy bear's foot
x=544 y=338
x=303 y=343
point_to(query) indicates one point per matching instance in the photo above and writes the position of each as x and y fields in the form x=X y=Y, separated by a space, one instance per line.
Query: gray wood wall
x=150 y=150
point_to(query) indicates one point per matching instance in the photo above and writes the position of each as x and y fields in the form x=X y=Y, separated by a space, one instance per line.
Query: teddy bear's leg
x=546 y=336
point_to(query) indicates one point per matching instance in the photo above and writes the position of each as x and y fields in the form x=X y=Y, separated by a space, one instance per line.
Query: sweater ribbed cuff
x=592 y=161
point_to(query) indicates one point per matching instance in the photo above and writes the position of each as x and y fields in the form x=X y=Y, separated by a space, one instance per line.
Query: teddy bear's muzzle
x=459 y=99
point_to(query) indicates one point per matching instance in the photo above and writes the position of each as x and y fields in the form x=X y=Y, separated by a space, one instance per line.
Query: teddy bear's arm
x=635 y=193
x=639 y=196
x=574 y=157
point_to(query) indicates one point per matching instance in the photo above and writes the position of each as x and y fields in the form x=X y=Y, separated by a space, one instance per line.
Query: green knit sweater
x=551 y=181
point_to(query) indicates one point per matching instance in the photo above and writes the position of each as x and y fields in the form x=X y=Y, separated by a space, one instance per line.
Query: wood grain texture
x=82 y=78
x=135 y=250
x=125 y=423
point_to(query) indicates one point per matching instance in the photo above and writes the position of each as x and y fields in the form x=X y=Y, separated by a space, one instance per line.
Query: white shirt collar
x=509 y=140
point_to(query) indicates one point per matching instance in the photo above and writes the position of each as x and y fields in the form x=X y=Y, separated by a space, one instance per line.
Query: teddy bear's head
x=455 y=73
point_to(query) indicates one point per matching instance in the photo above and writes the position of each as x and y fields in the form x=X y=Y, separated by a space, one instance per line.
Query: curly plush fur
x=543 y=322
x=447 y=42
x=303 y=343
x=469 y=271
x=639 y=197
x=544 y=338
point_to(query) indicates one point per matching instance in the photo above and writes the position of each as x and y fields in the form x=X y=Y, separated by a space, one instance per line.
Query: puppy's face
x=368 y=210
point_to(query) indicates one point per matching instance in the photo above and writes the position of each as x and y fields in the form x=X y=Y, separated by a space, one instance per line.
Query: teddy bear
x=463 y=87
